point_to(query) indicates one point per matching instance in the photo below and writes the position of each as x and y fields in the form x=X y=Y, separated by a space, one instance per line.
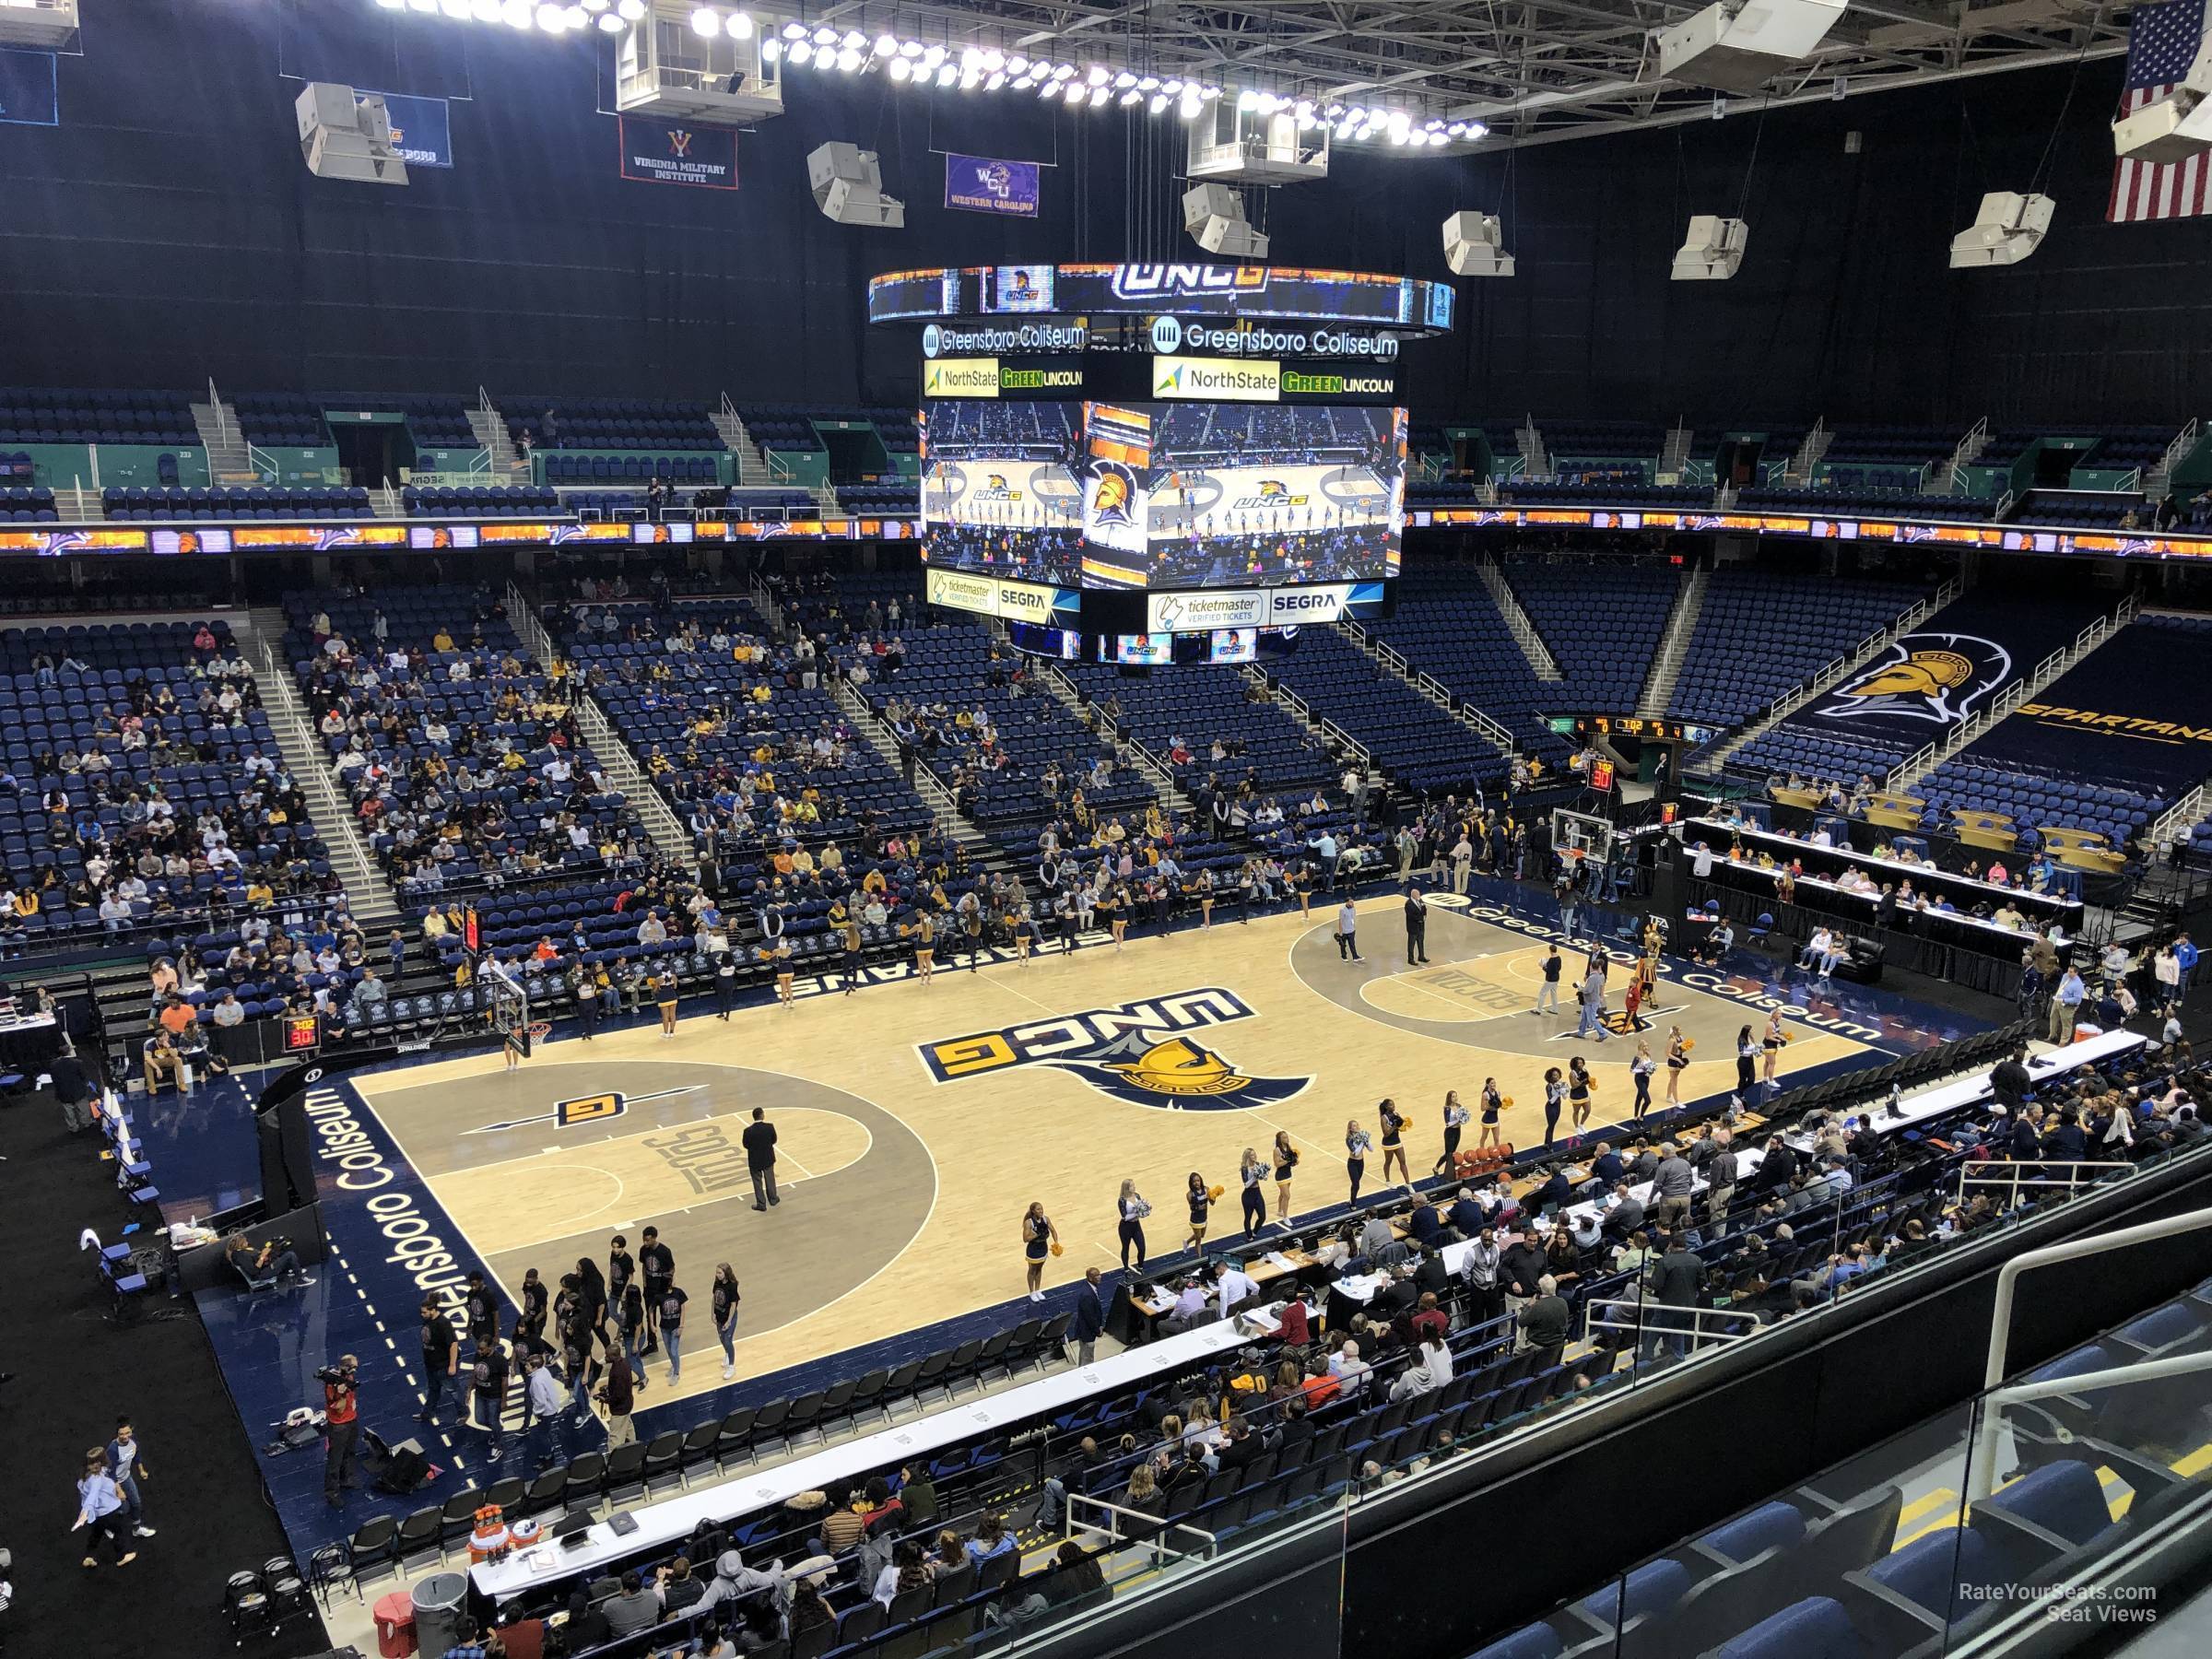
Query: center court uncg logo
x=1144 y=1052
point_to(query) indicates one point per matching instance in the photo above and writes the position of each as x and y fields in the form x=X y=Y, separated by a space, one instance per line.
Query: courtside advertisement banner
x=671 y=152
x=987 y=184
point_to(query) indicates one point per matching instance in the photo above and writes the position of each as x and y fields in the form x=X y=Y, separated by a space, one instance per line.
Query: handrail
x=2018 y=1178
x=1158 y=1529
x=1657 y=1319
x=1345 y=738
x=1982 y=1482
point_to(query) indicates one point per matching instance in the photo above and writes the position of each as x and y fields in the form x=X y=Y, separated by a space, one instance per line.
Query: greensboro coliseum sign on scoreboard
x=1157 y=463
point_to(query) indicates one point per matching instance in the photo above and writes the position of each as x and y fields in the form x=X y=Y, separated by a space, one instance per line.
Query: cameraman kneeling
x=341 y=1428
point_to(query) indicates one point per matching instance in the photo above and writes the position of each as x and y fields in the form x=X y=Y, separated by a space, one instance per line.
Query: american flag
x=2161 y=43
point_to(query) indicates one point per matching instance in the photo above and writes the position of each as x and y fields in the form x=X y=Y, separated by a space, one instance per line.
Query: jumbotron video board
x=1099 y=475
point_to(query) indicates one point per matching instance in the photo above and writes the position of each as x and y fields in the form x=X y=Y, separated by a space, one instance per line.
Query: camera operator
x=341 y=1428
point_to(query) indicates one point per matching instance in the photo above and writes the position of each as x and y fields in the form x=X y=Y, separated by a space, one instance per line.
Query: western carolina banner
x=26 y=89
x=422 y=129
x=669 y=152
x=983 y=184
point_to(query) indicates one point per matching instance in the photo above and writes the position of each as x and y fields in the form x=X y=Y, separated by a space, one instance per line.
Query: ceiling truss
x=1534 y=71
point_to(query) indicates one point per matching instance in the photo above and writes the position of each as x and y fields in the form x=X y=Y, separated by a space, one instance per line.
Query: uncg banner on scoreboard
x=29 y=95
x=422 y=128
x=987 y=184
x=676 y=152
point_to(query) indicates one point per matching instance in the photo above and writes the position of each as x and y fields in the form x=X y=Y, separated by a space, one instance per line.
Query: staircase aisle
x=1673 y=646
x=369 y=895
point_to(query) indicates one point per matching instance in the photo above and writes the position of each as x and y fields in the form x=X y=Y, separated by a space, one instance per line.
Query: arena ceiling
x=1532 y=71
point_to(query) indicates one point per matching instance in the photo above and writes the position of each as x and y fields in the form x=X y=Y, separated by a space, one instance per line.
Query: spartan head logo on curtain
x=1940 y=677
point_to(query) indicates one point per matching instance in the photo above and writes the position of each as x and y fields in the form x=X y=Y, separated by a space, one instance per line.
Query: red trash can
x=394 y=1617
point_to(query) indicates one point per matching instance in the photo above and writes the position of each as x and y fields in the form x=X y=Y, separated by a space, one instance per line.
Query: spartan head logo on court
x=1144 y=1052
x=1942 y=677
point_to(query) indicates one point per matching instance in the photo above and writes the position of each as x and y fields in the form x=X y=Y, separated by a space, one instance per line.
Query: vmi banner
x=27 y=92
x=672 y=152
x=422 y=128
x=984 y=184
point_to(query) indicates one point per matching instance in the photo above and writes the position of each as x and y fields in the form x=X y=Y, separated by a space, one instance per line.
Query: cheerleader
x=1771 y=1042
x=1492 y=1104
x=1393 y=1145
x=1747 y=1063
x=1115 y=904
x=1555 y=1098
x=1579 y=1089
x=780 y=957
x=1455 y=1119
x=1286 y=1161
x=925 y=946
x=1200 y=1200
x=1206 y=898
x=664 y=986
x=1641 y=1069
x=1026 y=935
x=1134 y=1209
x=1678 y=1062
x=1251 y=1173
x=1038 y=1239
x=1357 y=1144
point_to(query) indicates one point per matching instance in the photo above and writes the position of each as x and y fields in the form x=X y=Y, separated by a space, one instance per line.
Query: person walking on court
x=1200 y=1198
x=1089 y=1317
x=1251 y=1173
x=1040 y=1238
x=1132 y=1209
x=127 y=1467
x=1548 y=993
x=1394 y=1142
x=670 y=1310
x=1286 y=1162
x=440 y=1358
x=1416 y=929
x=1357 y=1144
x=656 y=1263
x=1455 y=1120
x=617 y=1394
x=100 y=1506
x=1347 y=931
x=487 y=1389
x=759 y=1138
x=1593 y=999
x=726 y=1316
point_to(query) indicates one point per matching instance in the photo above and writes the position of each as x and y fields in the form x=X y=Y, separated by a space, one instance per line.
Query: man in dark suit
x=1089 y=1318
x=1466 y=1216
x=1433 y=1276
x=759 y=1138
x=1416 y=928
x=1425 y=1224
x=2010 y=1079
x=1674 y=1279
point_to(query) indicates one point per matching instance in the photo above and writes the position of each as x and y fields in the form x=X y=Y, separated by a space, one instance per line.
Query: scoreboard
x=1129 y=453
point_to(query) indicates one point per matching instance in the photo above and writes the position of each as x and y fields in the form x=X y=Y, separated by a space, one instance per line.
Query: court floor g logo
x=1144 y=1052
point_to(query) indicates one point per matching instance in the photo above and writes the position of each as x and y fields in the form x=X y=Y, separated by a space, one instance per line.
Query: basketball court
x=917 y=1121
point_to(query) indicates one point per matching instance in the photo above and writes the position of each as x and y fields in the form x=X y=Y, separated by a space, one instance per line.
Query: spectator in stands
x=2065 y=1005
x=632 y=1608
x=1544 y=1323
